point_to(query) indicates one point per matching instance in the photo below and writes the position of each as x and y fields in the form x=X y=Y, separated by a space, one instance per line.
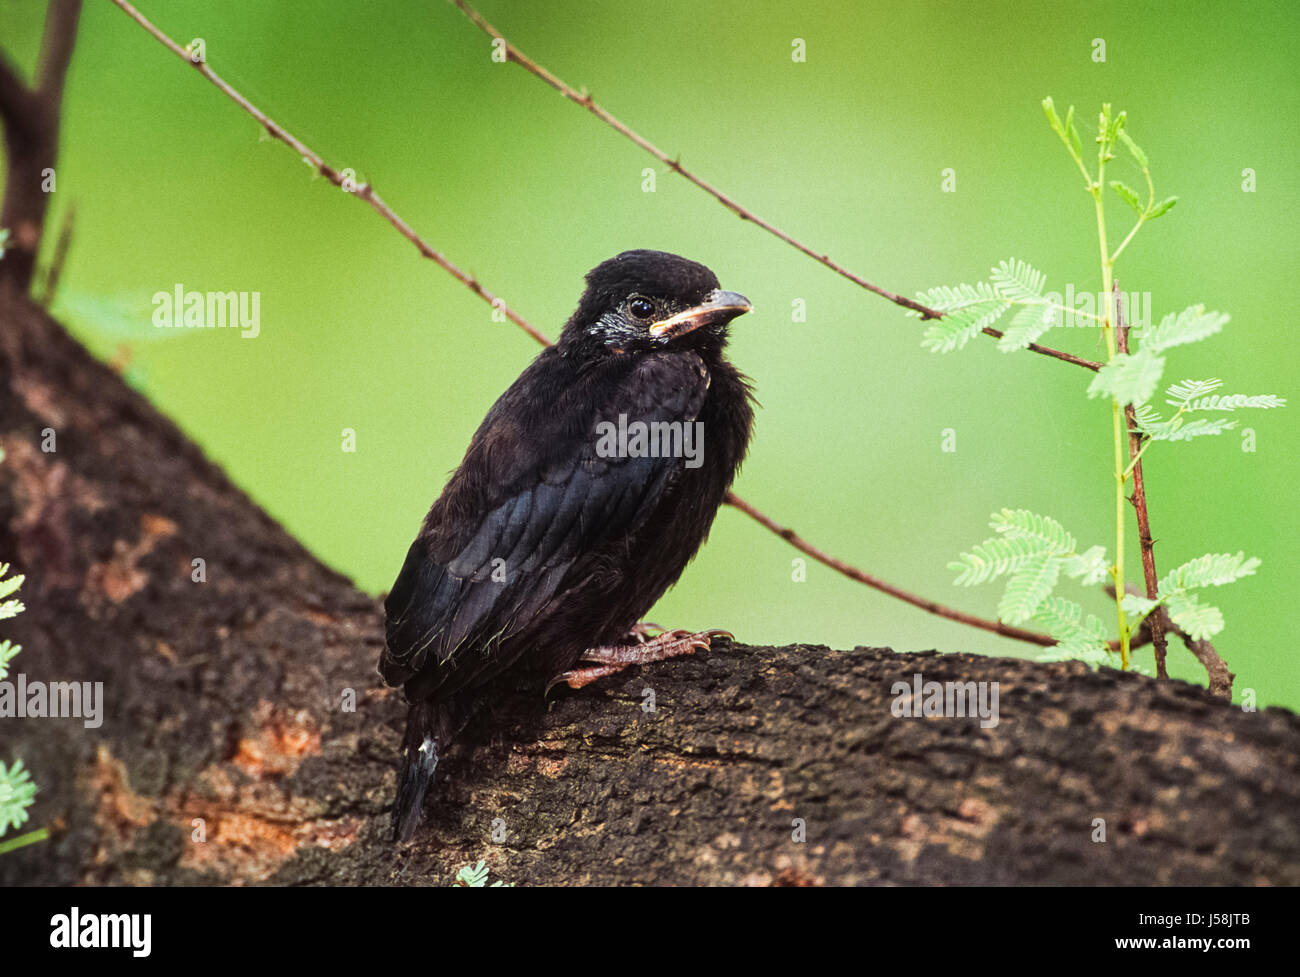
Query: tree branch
x=244 y=737
x=19 y=108
x=56 y=52
x=31 y=132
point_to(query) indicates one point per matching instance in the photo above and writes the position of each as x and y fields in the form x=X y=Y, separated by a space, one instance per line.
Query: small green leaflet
x=1024 y=535
x=1035 y=550
x=1017 y=281
x=1091 y=567
x=1177 y=329
x=476 y=876
x=1152 y=425
x=7 y=651
x=970 y=309
x=1029 y=587
x=1162 y=208
x=1133 y=148
x=1077 y=636
x=1130 y=378
x=16 y=795
x=967 y=311
x=993 y=558
x=1195 y=396
x=1128 y=195
x=1139 y=607
x=1200 y=621
x=9 y=608
x=1023 y=523
x=1210 y=570
x=1235 y=402
x=1179 y=394
x=1026 y=326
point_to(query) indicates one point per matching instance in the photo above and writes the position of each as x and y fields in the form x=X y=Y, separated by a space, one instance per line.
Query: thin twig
x=377 y=204
x=1139 y=498
x=365 y=191
x=853 y=573
x=584 y=99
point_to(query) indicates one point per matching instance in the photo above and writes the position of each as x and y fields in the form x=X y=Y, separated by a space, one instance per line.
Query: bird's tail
x=419 y=760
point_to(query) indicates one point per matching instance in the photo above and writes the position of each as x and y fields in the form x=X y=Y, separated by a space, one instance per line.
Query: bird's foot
x=643 y=632
x=611 y=659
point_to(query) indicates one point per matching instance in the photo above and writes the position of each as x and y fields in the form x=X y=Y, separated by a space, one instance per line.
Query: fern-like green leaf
x=10 y=585
x=1091 y=567
x=1129 y=378
x=1152 y=426
x=1138 y=607
x=7 y=651
x=957 y=299
x=1200 y=621
x=1210 y=570
x=1235 y=402
x=1064 y=620
x=1029 y=587
x=473 y=876
x=1189 y=326
x=1180 y=394
x=967 y=311
x=994 y=557
x=1026 y=326
x=1078 y=638
x=1023 y=524
x=16 y=795
x=1147 y=418
x=1018 y=281
x=949 y=334
x=1179 y=431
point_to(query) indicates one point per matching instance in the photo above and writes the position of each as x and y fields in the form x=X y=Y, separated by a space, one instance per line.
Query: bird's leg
x=644 y=631
x=611 y=659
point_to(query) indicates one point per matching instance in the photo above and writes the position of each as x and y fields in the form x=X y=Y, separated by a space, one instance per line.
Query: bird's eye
x=641 y=307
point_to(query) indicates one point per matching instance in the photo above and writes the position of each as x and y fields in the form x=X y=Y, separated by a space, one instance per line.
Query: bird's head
x=641 y=301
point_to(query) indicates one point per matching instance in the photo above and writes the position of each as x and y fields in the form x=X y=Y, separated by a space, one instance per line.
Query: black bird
x=581 y=499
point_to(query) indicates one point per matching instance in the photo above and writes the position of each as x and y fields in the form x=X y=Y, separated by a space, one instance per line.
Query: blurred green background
x=172 y=184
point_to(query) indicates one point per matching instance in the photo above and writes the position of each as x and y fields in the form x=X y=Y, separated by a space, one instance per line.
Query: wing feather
x=526 y=510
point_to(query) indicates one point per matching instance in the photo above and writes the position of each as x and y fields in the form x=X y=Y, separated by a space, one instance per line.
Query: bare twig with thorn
x=1139 y=497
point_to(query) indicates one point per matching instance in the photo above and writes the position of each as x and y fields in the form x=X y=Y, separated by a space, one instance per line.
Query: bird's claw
x=610 y=660
x=644 y=632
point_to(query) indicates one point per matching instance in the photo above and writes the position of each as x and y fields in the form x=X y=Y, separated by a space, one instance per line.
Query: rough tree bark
x=224 y=703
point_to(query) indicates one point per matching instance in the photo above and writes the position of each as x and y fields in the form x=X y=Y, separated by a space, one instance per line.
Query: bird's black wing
x=528 y=507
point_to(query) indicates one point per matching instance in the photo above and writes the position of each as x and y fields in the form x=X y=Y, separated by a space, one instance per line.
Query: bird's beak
x=718 y=306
